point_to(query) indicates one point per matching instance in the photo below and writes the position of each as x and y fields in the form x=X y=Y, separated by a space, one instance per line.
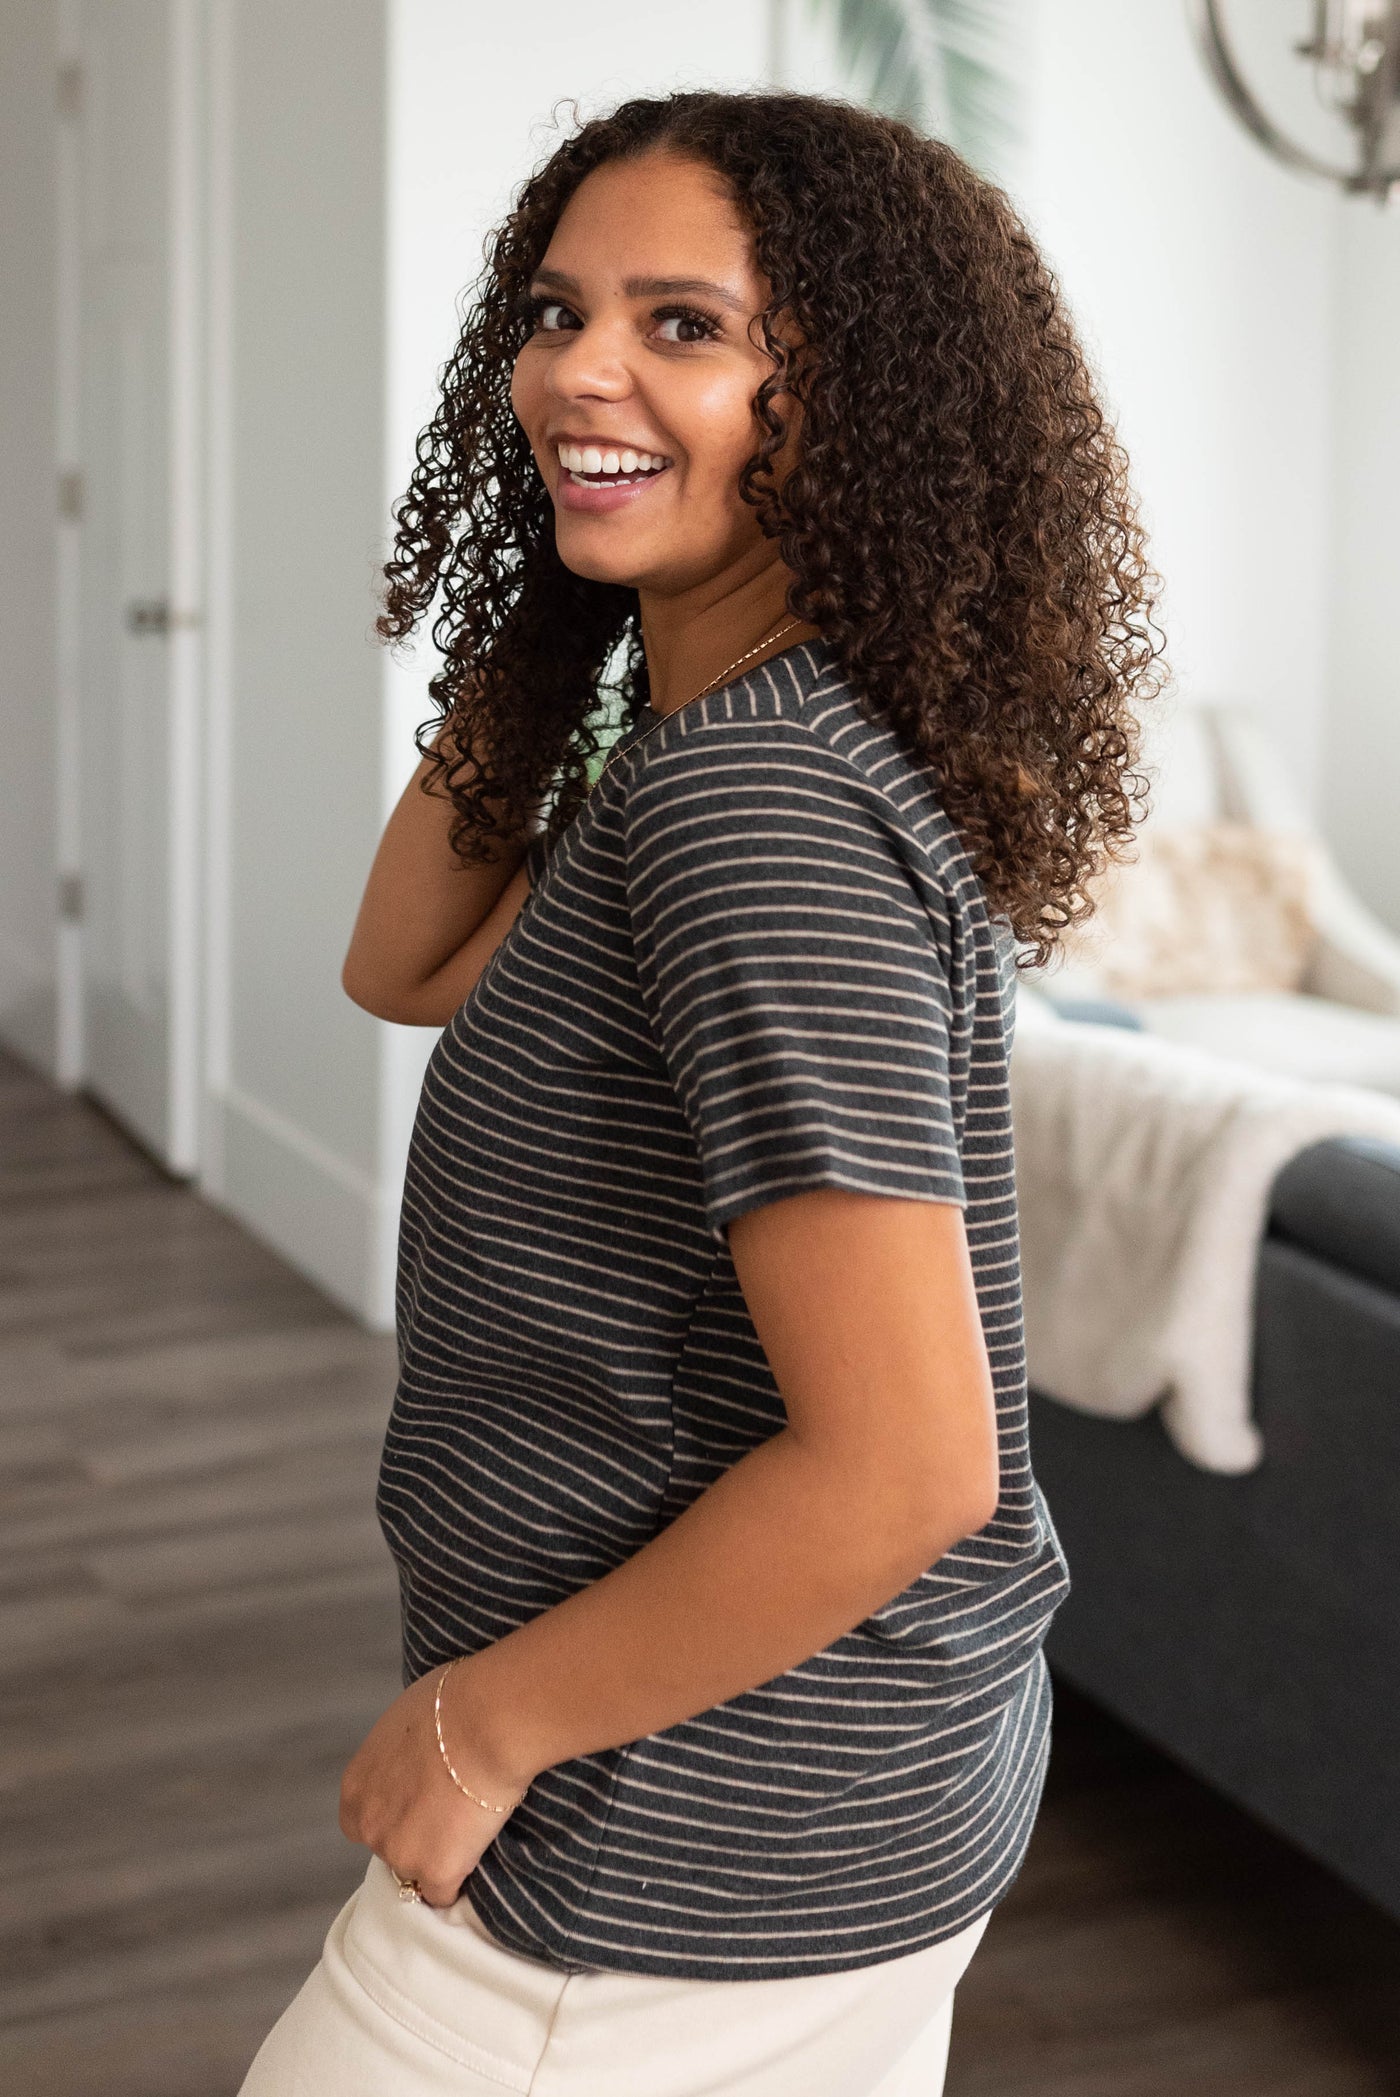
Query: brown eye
x=693 y=325
x=544 y=316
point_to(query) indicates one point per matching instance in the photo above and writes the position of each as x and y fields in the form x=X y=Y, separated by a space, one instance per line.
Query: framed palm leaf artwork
x=944 y=66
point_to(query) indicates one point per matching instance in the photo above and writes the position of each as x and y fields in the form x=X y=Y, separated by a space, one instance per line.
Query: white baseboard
x=29 y=1008
x=327 y=1218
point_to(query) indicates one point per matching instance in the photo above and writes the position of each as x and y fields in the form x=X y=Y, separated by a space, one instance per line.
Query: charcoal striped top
x=756 y=961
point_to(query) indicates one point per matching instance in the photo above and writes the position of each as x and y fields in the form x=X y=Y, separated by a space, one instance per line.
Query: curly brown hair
x=959 y=520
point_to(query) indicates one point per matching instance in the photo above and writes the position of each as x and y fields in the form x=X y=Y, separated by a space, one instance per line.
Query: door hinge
x=70 y=898
x=70 y=496
x=70 y=89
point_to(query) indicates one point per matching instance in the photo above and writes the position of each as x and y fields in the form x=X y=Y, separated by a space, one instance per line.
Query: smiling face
x=636 y=387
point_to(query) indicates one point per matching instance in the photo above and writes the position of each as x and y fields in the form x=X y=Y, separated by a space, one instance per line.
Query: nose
x=593 y=365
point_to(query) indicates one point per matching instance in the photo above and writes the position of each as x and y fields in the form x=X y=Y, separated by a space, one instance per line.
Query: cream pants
x=412 y=2001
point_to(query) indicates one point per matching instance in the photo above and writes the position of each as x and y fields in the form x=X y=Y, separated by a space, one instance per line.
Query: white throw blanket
x=1143 y=1171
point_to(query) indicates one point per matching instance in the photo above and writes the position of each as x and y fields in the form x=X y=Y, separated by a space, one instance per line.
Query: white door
x=139 y=567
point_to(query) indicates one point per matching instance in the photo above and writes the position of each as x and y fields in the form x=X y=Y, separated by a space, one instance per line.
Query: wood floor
x=198 y=1623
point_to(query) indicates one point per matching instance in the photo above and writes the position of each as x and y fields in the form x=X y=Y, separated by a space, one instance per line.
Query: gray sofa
x=1251 y=1625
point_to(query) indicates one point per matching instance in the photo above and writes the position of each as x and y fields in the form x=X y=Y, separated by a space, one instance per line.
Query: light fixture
x=1354 y=51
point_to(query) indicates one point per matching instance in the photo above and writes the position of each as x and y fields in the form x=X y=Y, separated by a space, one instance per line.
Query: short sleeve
x=790 y=971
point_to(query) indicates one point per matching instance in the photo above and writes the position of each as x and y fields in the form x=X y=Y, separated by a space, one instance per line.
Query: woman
x=725 y=1577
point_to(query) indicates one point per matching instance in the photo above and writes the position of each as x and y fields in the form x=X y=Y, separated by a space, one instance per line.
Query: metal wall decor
x=1354 y=52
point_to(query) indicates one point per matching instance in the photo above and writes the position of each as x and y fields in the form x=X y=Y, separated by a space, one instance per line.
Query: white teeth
x=590 y=459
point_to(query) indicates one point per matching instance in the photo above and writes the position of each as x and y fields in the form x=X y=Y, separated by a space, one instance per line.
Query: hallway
x=198 y=1623
x=197 y=1616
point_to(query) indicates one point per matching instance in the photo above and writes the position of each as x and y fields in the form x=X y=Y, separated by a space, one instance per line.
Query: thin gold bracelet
x=475 y=1797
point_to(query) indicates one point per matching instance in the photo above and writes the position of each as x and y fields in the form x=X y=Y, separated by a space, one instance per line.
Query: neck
x=691 y=640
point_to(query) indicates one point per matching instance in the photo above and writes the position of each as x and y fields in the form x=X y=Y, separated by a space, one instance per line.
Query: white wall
x=28 y=529
x=1242 y=321
x=1201 y=274
x=1361 y=769
x=292 y=1139
x=372 y=145
x=1245 y=320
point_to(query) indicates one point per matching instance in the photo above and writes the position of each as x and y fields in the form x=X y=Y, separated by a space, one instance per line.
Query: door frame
x=188 y=88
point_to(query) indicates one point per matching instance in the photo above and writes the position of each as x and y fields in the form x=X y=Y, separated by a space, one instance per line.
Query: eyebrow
x=651 y=287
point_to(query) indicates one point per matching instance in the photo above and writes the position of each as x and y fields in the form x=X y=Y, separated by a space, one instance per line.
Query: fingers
x=433 y=1890
x=441 y=1896
x=351 y=1822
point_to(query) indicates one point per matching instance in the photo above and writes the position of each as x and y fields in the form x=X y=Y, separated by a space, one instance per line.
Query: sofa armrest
x=1356 y=960
x=1340 y=1201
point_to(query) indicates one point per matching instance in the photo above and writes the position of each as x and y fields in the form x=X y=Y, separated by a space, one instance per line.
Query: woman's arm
x=427 y=924
x=866 y=1309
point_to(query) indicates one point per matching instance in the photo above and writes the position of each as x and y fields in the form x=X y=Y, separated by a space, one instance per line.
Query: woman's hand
x=398 y=1799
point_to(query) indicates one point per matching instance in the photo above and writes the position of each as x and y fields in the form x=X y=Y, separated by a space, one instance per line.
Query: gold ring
x=409 y=1889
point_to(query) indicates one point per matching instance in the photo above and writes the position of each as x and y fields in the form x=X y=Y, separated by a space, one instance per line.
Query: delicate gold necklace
x=713 y=684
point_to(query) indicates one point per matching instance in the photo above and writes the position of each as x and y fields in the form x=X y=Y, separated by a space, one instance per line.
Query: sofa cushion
x=1295 y=1035
x=1340 y=1201
x=1211 y=907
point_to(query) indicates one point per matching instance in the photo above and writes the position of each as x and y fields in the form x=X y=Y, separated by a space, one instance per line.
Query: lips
x=597 y=497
